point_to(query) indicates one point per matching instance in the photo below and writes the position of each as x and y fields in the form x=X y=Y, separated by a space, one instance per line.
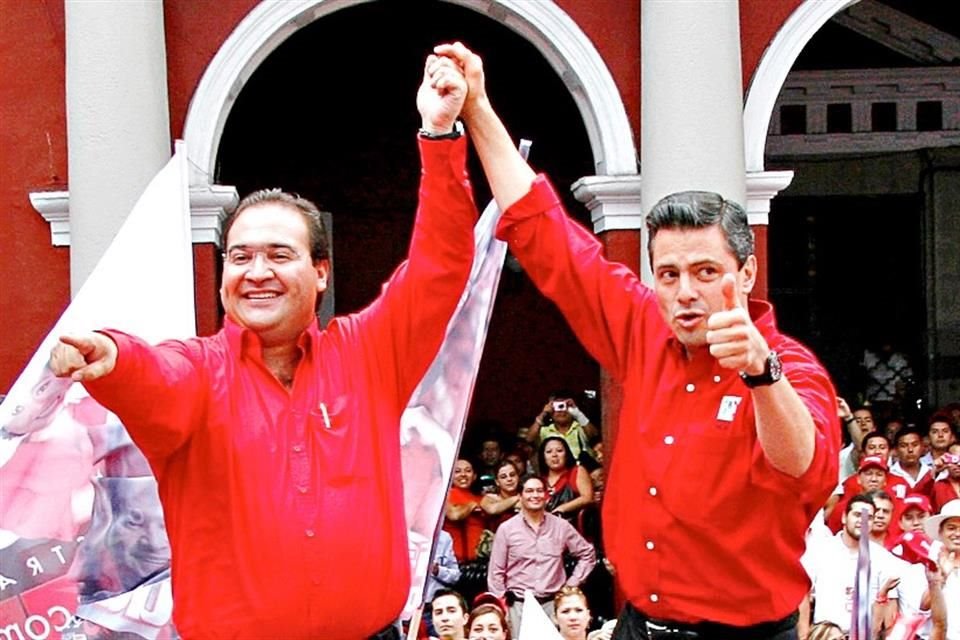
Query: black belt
x=519 y=598
x=656 y=629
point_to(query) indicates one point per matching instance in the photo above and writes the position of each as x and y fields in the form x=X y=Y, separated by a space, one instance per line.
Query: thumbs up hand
x=732 y=337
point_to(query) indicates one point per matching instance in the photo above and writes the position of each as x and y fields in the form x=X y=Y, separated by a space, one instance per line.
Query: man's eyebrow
x=268 y=245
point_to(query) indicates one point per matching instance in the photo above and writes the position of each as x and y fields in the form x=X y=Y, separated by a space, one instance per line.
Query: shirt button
x=716 y=378
x=297 y=448
x=690 y=387
x=654 y=597
x=653 y=491
x=303 y=488
x=668 y=440
x=650 y=545
x=309 y=533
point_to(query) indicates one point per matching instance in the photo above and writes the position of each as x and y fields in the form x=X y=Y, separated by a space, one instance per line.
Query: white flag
x=431 y=427
x=534 y=622
x=66 y=463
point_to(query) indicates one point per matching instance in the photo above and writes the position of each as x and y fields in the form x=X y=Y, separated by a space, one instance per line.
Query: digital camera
x=559 y=405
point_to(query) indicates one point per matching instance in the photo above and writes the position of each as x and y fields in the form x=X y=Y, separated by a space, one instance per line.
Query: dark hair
x=698 y=210
x=906 y=431
x=486 y=608
x=871 y=436
x=941 y=417
x=540 y=479
x=450 y=592
x=860 y=497
x=319 y=241
x=879 y=493
x=542 y=458
x=505 y=463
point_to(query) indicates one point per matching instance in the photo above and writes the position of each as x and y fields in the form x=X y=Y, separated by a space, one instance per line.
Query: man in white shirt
x=909 y=445
x=832 y=567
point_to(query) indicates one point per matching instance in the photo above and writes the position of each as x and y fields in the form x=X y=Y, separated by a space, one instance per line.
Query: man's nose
x=259 y=267
x=686 y=292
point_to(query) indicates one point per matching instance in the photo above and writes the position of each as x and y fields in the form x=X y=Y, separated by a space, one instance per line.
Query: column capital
x=209 y=204
x=613 y=201
x=762 y=187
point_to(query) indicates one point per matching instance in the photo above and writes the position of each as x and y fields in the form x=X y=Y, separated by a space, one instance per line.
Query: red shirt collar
x=245 y=341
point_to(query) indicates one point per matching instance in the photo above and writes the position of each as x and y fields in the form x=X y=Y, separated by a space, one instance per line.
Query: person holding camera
x=561 y=417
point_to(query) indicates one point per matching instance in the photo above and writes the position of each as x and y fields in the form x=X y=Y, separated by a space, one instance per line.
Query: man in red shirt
x=873 y=475
x=728 y=438
x=275 y=443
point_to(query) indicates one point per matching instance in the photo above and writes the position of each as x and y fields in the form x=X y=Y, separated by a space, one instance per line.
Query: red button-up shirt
x=285 y=508
x=697 y=523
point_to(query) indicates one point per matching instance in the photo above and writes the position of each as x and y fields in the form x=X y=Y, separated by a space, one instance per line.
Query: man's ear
x=323 y=274
x=748 y=273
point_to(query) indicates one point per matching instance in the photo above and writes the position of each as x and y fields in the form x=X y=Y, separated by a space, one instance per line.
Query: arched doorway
x=851 y=267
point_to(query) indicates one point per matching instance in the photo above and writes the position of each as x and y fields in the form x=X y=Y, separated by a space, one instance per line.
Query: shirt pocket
x=335 y=432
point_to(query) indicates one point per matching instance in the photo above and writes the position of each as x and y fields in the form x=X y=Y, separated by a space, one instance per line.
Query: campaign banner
x=432 y=425
x=83 y=549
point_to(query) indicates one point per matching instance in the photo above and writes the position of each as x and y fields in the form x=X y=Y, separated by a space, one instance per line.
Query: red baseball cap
x=917 y=501
x=873 y=462
x=488 y=598
x=916 y=547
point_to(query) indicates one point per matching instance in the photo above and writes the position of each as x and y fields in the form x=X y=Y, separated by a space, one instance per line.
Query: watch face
x=776 y=367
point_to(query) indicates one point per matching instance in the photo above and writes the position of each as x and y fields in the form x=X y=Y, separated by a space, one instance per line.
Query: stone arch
x=555 y=35
x=772 y=71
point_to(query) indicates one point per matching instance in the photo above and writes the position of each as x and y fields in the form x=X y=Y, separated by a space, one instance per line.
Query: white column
x=118 y=123
x=691 y=99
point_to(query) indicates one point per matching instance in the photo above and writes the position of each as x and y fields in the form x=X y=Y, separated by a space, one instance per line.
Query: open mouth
x=688 y=318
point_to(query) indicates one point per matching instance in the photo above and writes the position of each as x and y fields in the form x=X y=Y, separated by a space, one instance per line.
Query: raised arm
x=406 y=324
x=563 y=259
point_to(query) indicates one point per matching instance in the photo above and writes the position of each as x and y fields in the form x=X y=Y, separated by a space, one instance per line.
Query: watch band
x=450 y=135
x=772 y=372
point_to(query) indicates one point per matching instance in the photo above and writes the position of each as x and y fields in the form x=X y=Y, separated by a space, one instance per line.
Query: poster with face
x=83 y=551
x=431 y=427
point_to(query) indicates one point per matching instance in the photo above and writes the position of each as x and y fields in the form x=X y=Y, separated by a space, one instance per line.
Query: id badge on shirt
x=728 y=408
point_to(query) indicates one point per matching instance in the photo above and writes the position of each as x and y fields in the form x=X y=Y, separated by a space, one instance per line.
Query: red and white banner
x=83 y=550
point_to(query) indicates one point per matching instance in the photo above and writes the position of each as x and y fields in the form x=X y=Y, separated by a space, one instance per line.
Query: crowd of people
x=450 y=618
x=903 y=477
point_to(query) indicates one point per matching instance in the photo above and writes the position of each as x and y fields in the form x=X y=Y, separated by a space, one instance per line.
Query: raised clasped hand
x=442 y=94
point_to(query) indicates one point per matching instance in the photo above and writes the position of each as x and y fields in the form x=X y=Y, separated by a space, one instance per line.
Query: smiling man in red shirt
x=275 y=443
x=728 y=438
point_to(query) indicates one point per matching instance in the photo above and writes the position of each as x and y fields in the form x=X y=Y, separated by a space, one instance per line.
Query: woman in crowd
x=464 y=518
x=569 y=487
x=573 y=616
x=488 y=622
x=505 y=502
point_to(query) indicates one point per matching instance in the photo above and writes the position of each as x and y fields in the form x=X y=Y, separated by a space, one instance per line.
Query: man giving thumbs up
x=728 y=434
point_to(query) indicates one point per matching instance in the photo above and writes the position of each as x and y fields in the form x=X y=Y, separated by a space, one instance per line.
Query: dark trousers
x=633 y=625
